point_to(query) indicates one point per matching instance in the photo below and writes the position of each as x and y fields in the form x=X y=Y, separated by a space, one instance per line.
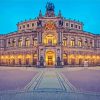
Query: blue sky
x=14 y=11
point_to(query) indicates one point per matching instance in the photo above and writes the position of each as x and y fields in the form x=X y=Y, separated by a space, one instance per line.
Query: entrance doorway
x=50 y=58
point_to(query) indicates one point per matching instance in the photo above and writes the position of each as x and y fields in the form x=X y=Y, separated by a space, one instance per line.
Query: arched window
x=80 y=42
x=27 y=42
x=50 y=40
x=64 y=42
x=72 y=42
x=34 y=42
x=20 y=43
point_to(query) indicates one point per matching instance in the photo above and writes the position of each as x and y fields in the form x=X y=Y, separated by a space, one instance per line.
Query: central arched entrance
x=50 y=58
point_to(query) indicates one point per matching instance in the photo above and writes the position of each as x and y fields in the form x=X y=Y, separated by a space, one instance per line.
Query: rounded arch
x=50 y=39
x=20 y=58
x=72 y=59
x=20 y=42
x=80 y=59
x=65 y=59
x=27 y=42
x=72 y=41
x=35 y=57
x=80 y=42
x=50 y=58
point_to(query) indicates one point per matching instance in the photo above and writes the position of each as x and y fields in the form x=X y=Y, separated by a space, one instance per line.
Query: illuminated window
x=20 y=43
x=34 y=42
x=64 y=42
x=72 y=42
x=50 y=40
x=27 y=42
x=80 y=42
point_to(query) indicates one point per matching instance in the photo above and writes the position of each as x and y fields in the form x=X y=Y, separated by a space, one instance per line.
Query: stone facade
x=50 y=40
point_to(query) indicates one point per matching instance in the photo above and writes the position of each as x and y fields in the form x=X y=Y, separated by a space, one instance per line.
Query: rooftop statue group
x=50 y=6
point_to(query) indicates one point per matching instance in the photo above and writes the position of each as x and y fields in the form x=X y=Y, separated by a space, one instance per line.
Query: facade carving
x=49 y=41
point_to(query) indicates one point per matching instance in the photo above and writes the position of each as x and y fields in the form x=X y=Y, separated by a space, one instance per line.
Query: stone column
x=76 y=41
x=23 y=41
x=92 y=43
x=16 y=41
x=68 y=41
x=83 y=42
x=31 y=41
x=10 y=42
x=60 y=38
x=38 y=39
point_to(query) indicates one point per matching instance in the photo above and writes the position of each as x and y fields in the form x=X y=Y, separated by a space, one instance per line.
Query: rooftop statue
x=50 y=6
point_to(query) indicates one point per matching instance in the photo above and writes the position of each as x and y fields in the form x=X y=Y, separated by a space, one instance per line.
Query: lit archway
x=65 y=59
x=35 y=57
x=50 y=58
x=50 y=40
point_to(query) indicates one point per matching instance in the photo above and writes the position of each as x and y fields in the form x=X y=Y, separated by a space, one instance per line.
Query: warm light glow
x=20 y=56
x=50 y=58
x=35 y=42
x=20 y=43
x=2 y=57
x=80 y=43
x=64 y=42
x=35 y=56
x=50 y=40
x=72 y=43
x=28 y=56
x=94 y=57
x=64 y=56
x=27 y=42
x=72 y=56
x=6 y=57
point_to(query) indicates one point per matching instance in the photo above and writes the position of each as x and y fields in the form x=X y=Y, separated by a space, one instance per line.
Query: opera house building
x=49 y=41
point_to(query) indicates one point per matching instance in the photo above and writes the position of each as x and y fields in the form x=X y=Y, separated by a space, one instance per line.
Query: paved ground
x=49 y=80
x=85 y=79
x=15 y=79
x=49 y=84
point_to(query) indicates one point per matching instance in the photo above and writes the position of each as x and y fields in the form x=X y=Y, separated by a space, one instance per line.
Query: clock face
x=50 y=25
